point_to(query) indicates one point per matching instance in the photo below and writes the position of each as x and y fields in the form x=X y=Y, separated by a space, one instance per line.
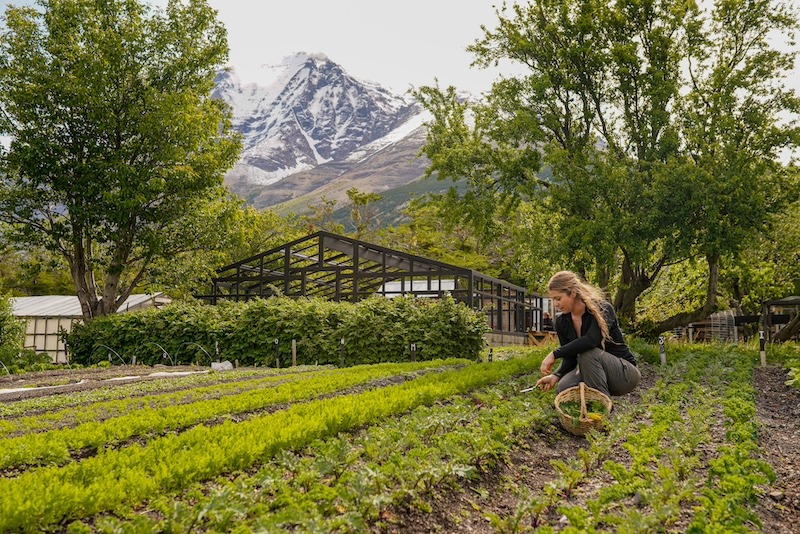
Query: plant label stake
x=763 y=344
x=294 y=353
x=277 y=355
x=662 y=349
x=341 y=353
x=413 y=352
x=490 y=354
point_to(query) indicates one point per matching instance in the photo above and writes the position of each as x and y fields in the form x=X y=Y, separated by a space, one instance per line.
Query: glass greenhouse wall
x=340 y=268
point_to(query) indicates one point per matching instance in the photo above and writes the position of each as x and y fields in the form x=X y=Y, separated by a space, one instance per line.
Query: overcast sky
x=396 y=44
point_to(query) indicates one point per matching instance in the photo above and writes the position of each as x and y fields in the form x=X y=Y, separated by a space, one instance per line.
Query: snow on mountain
x=404 y=130
x=313 y=113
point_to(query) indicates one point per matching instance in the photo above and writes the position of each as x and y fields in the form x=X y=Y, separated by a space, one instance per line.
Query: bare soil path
x=778 y=413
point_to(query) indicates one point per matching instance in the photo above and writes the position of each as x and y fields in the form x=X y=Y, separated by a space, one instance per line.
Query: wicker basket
x=583 y=394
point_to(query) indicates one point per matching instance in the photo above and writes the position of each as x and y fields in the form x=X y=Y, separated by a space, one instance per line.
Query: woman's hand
x=546 y=383
x=547 y=364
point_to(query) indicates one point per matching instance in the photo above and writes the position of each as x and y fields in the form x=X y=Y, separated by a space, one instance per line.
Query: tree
x=729 y=182
x=428 y=234
x=34 y=273
x=767 y=269
x=320 y=217
x=660 y=122
x=255 y=231
x=115 y=139
x=363 y=214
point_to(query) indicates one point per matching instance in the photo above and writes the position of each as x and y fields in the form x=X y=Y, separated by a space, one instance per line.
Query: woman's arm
x=591 y=339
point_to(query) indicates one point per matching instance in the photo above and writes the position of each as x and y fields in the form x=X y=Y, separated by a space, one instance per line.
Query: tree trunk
x=787 y=332
x=684 y=318
x=603 y=278
x=633 y=283
x=79 y=261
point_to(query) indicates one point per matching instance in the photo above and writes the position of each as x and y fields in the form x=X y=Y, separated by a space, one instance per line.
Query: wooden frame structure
x=340 y=268
x=789 y=307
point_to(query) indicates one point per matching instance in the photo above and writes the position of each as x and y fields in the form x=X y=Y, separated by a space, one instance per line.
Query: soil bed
x=529 y=467
x=778 y=414
x=498 y=491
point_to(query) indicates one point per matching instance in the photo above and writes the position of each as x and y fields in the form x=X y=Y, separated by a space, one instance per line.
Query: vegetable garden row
x=318 y=449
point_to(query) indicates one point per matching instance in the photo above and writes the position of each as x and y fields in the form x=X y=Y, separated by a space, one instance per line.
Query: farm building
x=340 y=268
x=49 y=315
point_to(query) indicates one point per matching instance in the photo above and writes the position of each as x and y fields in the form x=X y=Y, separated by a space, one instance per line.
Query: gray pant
x=602 y=371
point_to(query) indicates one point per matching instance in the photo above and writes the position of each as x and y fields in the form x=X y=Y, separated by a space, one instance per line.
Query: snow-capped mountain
x=314 y=119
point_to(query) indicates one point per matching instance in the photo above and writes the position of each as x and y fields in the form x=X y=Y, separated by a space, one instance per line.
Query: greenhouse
x=344 y=269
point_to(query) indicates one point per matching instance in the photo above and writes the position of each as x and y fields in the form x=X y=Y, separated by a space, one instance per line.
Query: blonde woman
x=592 y=348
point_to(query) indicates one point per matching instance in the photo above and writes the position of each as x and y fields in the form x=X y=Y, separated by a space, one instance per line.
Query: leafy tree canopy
x=661 y=121
x=117 y=145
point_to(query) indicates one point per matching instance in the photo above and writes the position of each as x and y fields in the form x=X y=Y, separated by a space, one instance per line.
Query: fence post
x=763 y=344
x=277 y=354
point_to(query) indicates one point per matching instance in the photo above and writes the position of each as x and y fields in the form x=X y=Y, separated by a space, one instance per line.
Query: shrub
x=18 y=360
x=374 y=330
x=12 y=330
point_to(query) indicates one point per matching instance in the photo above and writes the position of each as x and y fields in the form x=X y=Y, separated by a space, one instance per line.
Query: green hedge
x=12 y=329
x=374 y=330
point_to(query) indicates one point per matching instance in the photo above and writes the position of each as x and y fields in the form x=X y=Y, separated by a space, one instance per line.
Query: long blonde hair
x=571 y=284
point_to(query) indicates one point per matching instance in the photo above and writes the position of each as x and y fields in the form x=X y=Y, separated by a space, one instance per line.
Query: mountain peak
x=300 y=58
x=312 y=113
x=278 y=73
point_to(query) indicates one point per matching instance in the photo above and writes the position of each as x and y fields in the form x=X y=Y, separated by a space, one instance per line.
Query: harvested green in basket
x=586 y=409
x=594 y=410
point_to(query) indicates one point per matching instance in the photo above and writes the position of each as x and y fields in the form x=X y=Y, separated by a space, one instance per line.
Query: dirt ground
x=468 y=509
x=778 y=413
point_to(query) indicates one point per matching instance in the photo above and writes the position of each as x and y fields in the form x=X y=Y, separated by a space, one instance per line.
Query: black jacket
x=590 y=337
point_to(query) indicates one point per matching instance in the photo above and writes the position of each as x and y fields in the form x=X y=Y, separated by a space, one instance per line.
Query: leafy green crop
x=351 y=482
x=116 y=479
x=56 y=447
